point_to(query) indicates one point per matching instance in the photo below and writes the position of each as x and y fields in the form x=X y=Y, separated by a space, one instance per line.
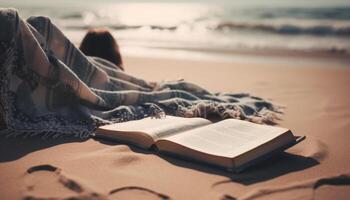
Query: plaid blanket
x=50 y=88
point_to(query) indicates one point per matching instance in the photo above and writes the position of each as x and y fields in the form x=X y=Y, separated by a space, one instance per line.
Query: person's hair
x=100 y=43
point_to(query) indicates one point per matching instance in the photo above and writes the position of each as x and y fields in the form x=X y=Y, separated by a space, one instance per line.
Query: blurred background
x=194 y=28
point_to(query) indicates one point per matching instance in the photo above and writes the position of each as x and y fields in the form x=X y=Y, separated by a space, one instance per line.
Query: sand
x=317 y=105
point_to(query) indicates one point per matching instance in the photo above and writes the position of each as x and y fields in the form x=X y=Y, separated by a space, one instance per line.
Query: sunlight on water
x=162 y=14
x=317 y=25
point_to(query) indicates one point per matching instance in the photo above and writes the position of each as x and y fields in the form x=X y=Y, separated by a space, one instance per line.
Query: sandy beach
x=316 y=100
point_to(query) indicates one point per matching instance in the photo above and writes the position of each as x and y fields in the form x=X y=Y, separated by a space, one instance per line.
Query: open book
x=231 y=143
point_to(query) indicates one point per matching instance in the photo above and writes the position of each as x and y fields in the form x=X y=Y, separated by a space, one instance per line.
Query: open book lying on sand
x=231 y=143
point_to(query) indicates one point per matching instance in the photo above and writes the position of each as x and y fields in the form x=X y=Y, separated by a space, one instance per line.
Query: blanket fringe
x=8 y=133
x=264 y=116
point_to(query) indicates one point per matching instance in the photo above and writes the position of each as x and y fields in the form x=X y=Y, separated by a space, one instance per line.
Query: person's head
x=100 y=43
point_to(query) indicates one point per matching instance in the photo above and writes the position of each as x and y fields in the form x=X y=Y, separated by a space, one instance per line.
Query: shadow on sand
x=275 y=166
x=15 y=148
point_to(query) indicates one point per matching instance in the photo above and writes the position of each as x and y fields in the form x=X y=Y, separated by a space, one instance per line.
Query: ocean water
x=313 y=25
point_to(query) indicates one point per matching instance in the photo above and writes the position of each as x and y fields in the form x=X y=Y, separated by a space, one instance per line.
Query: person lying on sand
x=50 y=87
x=101 y=43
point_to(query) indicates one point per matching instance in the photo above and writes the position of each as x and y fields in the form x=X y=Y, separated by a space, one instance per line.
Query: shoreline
x=243 y=55
x=252 y=56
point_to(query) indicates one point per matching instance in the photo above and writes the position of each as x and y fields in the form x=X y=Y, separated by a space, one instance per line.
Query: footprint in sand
x=134 y=192
x=311 y=189
x=47 y=182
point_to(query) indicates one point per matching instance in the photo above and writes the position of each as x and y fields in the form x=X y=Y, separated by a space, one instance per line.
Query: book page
x=159 y=128
x=228 y=138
